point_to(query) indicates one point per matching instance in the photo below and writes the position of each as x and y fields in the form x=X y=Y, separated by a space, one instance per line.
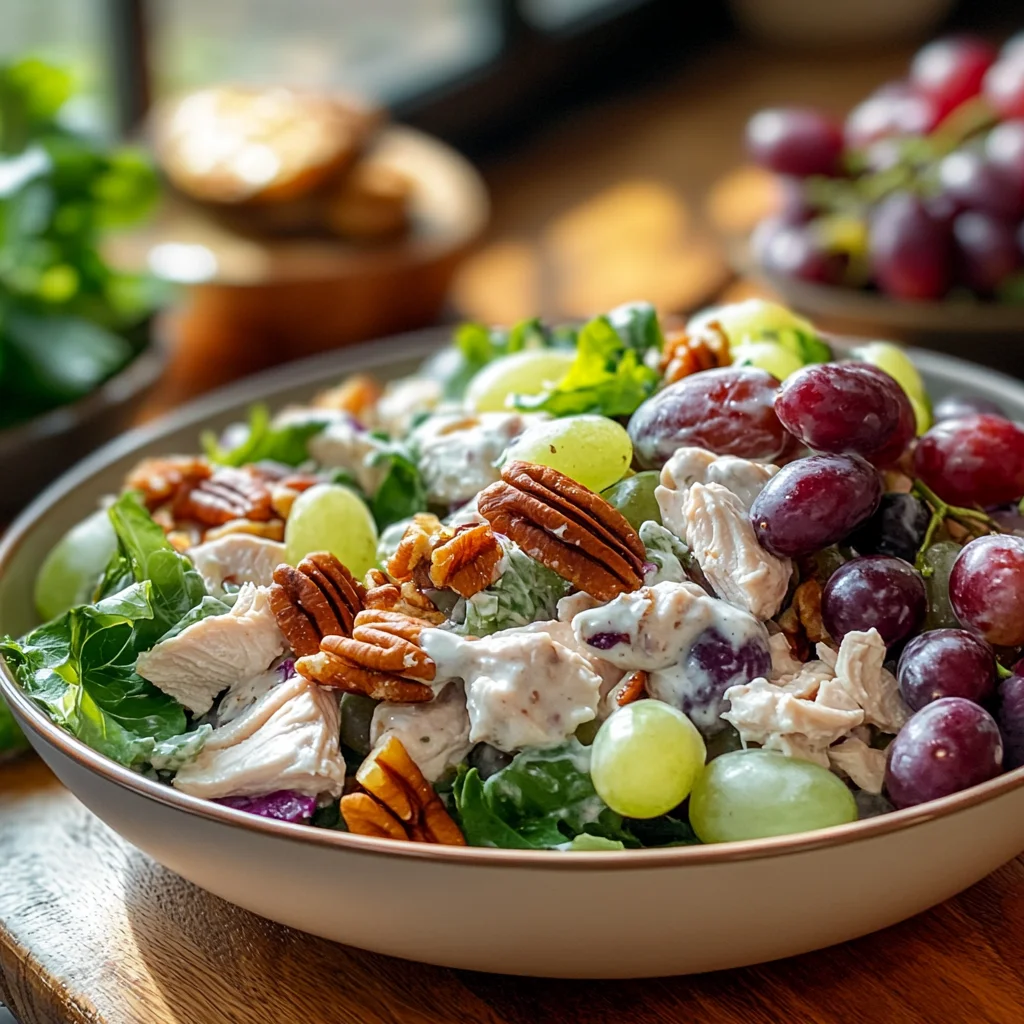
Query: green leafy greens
x=402 y=492
x=287 y=443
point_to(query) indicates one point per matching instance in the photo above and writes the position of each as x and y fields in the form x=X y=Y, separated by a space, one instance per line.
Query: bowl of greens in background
x=77 y=346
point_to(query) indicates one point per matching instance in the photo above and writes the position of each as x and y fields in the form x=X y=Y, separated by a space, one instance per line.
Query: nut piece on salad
x=566 y=527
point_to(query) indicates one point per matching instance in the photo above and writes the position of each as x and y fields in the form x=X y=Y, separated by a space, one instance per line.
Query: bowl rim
x=139 y=374
x=364 y=357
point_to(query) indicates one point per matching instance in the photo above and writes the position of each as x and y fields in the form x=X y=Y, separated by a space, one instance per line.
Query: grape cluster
x=919 y=193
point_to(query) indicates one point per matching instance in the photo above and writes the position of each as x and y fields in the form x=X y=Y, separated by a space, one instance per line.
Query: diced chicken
x=722 y=540
x=457 y=452
x=287 y=740
x=611 y=675
x=523 y=689
x=242 y=695
x=689 y=466
x=436 y=734
x=767 y=714
x=237 y=558
x=403 y=400
x=807 y=682
x=863 y=764
x=783 y=662
x=859 y=667
x=571 y=605
x=217 y=652
x=346 y=445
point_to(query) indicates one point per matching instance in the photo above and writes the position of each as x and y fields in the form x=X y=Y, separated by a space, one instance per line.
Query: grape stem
x=1002 y=671
x=970 y=518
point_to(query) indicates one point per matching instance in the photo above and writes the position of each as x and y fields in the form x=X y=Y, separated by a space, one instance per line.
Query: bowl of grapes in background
x=905 y=220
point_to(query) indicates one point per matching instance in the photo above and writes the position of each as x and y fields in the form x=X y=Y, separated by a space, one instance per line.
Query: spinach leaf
x=287 y=443
x=608 y=376
x=587 y=842
x=402 y=493
x=637 y=324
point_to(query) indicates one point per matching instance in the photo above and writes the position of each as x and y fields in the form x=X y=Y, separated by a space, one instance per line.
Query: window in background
x=388 y=49
x=69 y=32
x=561 y=15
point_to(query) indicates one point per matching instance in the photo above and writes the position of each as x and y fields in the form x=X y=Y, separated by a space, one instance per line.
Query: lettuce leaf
x=287 y=443
x=402 y=493
x=608 y=376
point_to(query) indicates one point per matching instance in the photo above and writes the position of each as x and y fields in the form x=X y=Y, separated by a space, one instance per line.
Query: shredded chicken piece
x=571 y=605
x=216 y=652
x=435 y=733
x=859 y=666
x=611 y=675
x=287 y=740
x=783 y=662
x=722 y=540
x=864 y=764
x=237 y=558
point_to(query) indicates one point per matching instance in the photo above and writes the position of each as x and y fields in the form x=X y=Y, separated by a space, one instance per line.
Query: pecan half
x=685 y=354
x=341 y=674
x=466 y=563
x=317 y=598
x=227 y=494
x=159 y=479
x=807 y=602
x=565 y=526
x=366 y=817
x=391 y=778
x=383 y=595
x=632 y=688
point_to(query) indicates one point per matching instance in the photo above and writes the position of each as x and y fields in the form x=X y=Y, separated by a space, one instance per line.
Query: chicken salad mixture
x=589 y=587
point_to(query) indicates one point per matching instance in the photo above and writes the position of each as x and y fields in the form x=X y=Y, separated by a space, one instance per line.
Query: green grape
x=329 y=517
x=780 y=362
x=922 y=413
x=356 y=716
x=594 y=450
x=937 y=563
x=524 y=373
x=73 y=567
x=759 y=320
x=751 y=794
x=646 y=758
x=895 y=361
x=634 y=497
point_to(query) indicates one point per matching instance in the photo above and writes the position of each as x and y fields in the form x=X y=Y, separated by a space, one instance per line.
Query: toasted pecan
x=807 y=602
x=225 y=495
x=317 y=598
x=270 y=529
x=405 y=598
x=368 y=817
x=632 y=688
x=413 y=553
x=357 y=396
x=685 y=353
x=393 y=779
x=565 y=526
x=160 y=478
x=467 y=562
x=339 y=673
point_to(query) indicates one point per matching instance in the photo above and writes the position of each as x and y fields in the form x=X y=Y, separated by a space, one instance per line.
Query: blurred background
x=485 y=159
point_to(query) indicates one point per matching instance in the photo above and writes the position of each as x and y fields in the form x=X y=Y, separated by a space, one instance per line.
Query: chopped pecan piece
x=565 y=526
x=685 y=354
x=413 y=553
x=227 y=494
x=383 y=595
x=159 y=479
x=467 y=562
x=366 y=817
x=391 y=777
x=632 y=688
x=317 y=598
x=807 y=602
x=356 y=396
x=384 y=642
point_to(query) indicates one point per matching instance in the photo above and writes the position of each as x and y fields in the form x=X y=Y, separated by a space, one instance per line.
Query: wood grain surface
x=93 y=932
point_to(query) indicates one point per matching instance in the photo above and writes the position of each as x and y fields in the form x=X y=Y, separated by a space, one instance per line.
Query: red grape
x=951 y=70
x=730 y=411
x=971 y=183
x=893 y=110
x=795 y=140
x=958 y=405
x=792 y=251
x=874 y=592
x=841 y=407
x=889 y=455
x=946 y=663
x=1004 y=151
x=1004 y=85
x=897 y=528
x=977 y=460
x=910 y=251
x=986 y=251
x=1011 y=718
x=986 y=588
x=814 y=502
x=949 y=745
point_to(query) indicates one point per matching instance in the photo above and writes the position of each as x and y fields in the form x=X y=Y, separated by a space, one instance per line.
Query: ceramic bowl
x=598 y=915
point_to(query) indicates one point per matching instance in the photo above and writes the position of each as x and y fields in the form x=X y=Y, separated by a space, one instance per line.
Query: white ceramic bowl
x=602 y=915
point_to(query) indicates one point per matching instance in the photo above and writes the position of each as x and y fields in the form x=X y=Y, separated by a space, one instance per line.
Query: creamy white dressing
x=344 y=445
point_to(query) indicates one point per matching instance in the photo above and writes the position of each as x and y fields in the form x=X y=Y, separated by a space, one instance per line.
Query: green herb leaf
x=287 y=444
x=637 y=324
x=402 y=493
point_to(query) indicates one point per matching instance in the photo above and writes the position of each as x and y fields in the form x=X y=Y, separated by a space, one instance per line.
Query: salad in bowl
x=582 y=587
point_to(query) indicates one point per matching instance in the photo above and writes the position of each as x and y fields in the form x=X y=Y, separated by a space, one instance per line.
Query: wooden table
x=93 y=932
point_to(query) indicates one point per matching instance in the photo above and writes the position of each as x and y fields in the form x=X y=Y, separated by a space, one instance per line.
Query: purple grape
x=947 y=746
x=910 y=251
x=897 y=528
x=284 y=805
x=950 y=70
x=974 y=184
x=894 y=110
x=986 y=251
x=1004 y=150
x=841 y=407
x=814 y=502
x=606 y=641
x=792 y=250
x=713 y=663
x=795 y=140
x=958 y=405
x=874 y=591
x=946 y=663
x=1011 y=718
